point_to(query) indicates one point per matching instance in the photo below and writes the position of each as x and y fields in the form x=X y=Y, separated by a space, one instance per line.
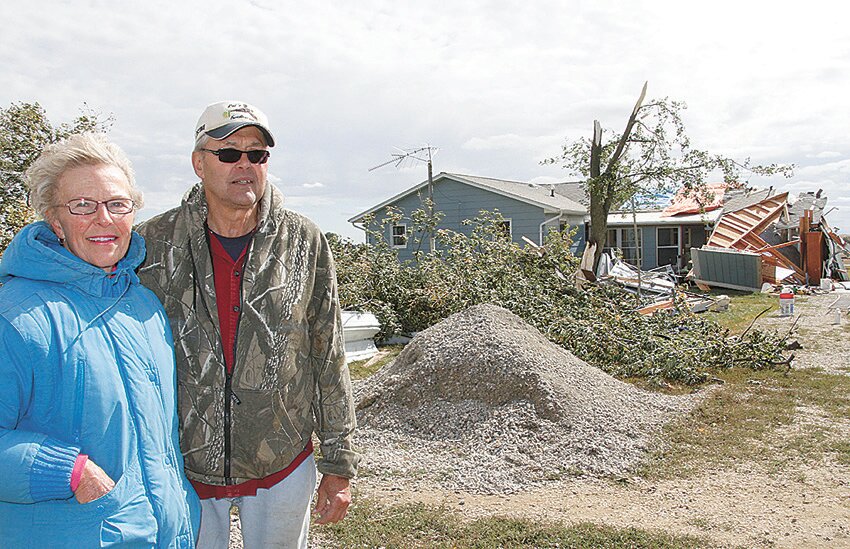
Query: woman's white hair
x=81 y=149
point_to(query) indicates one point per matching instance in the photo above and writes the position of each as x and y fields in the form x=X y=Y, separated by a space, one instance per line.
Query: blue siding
x=649 y=249
x=459 y=201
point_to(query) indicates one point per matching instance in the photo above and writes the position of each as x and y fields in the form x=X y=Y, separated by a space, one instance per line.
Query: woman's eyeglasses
x=115 y=206
x=231 y=156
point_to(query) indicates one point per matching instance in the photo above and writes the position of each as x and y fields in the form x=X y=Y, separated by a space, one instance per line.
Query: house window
x=400 y=236
x=668 y=245
x=577 y=232
x=610 y=240
x=504 y=228
x=624 y=239
x=629 y=245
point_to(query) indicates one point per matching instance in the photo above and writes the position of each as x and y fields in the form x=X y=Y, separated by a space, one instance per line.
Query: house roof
x=805 y=201
x=738 y=199
x=574 y=190
x=541 y=196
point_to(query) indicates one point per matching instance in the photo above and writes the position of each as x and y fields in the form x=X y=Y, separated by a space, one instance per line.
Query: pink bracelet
x=77 y=473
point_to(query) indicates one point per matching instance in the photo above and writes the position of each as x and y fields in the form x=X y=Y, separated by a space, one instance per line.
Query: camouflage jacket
x=289 y=376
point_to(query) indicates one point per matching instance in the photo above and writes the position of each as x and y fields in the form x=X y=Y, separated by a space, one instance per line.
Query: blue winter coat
x=87 y=366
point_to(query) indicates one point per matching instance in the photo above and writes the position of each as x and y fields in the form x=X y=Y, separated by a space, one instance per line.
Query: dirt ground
x=805 y=505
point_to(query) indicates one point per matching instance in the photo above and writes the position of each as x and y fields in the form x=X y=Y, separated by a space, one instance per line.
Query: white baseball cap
x=222 y=119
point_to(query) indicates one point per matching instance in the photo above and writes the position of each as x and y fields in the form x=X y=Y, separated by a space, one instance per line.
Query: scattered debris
x=721 y=303
x=631 y=278
x=793 y=242
x=660 y=285
x=694 y=302
x=727 y=268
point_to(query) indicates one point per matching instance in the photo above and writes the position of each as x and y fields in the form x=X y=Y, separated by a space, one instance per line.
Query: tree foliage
x=652 y=155
x=597 y=323
x=24 y=132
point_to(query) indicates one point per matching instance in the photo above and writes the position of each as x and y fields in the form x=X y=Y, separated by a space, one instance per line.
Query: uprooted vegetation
x=598 y=324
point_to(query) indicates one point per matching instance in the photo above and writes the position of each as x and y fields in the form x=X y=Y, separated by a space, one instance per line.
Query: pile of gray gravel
x=483 y=402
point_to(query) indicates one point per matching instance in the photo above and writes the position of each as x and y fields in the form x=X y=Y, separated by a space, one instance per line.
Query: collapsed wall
x=484 y=402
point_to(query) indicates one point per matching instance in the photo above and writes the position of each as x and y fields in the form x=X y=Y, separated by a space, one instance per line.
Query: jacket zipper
x=229 y=396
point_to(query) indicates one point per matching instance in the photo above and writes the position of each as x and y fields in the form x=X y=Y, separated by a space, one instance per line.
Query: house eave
x=359 y=217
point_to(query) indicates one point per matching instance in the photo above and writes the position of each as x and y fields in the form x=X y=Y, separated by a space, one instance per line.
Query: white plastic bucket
x=786 y=304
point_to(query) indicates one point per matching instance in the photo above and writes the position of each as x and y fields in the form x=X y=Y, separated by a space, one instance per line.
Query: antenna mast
x=411 y=155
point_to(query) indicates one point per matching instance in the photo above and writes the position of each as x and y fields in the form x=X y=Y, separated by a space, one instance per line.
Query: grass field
x=411 y=526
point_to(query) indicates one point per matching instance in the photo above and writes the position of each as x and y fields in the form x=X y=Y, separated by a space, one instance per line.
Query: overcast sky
x=496 y=86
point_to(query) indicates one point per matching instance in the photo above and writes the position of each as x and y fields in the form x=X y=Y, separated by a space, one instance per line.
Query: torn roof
x=741 y=229
x=693 y=201
x=805 y=201
x=738 y=199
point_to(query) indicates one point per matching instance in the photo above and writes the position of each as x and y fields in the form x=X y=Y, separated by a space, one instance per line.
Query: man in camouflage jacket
x=260 y=358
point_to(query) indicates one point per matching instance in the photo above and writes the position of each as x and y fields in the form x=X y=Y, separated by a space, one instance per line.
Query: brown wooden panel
x=814 y=256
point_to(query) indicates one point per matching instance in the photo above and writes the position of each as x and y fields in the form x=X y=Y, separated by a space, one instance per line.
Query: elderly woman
x=89 y=454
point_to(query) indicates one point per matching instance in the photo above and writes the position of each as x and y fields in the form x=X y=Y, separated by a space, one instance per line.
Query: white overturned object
x=629 y=276
x=358 y=330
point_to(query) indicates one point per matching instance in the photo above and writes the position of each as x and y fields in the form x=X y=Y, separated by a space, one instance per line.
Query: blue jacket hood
x=36 y=254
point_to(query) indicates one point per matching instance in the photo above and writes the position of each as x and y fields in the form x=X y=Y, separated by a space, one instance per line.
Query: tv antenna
x=421 y=154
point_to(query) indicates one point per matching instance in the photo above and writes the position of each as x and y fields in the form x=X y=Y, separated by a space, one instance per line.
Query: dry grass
x=756 y=417
x=370 y=524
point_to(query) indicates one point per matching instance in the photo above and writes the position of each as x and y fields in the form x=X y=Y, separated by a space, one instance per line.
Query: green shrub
x=598 y=324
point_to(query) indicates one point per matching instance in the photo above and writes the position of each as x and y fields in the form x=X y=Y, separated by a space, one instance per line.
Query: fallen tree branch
x=753 y=322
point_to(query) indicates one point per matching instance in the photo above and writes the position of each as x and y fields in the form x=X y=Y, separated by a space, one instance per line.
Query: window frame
x=629 y=252
x=404 y=235
x=510 y=227
x=676 y=246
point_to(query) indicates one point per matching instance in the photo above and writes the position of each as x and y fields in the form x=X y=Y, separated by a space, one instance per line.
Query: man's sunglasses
x=231 y=156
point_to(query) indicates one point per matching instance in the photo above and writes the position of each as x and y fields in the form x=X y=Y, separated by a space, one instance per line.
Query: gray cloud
x=496 y=85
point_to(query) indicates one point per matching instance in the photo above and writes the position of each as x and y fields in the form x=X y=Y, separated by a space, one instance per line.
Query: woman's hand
x=94 y=483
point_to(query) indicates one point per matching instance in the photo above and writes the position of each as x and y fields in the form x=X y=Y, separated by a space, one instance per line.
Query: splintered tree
x=652 y=156
x=24 y=132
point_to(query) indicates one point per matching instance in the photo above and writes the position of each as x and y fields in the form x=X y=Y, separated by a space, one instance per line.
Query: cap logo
x=239 y=113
